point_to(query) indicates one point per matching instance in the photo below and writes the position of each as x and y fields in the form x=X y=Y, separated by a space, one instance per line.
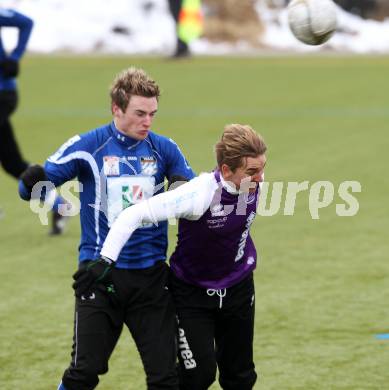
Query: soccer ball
x=312 y=21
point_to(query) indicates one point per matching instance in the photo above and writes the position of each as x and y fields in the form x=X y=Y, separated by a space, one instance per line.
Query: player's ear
x=116 y=110
x=226 y=171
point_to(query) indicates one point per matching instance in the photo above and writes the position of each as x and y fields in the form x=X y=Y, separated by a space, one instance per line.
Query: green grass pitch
x=322 y=286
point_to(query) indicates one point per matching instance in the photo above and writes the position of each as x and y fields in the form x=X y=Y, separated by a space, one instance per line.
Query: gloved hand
x=32 y=175
x=10 y=68
x=96 y=272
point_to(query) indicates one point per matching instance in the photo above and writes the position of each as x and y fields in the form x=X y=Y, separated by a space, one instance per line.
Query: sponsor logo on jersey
x=148 y=165
x=111 y=165
x=245 y=234
x=120 y=137
x=216 y=223
x=131 y=195
x=250 y=198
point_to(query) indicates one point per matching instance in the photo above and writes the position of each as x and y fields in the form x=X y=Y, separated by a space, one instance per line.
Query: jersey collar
x=123 y=139
x=228 y=187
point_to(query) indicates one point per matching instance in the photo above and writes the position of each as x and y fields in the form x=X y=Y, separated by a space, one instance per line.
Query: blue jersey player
x=11 y=158
x=118 y=165
x=212 y=265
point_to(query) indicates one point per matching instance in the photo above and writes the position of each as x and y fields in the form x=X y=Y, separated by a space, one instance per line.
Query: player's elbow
x=27 y=25
x=28 y=22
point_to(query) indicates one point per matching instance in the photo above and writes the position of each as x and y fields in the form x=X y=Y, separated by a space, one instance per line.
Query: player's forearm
x=185 y=201
x=156 y=209
x=24 y=36
x=10 y=18
x=127 y=222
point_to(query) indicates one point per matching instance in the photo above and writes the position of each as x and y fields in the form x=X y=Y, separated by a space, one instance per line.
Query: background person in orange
x=189 y=24
x=182 y=49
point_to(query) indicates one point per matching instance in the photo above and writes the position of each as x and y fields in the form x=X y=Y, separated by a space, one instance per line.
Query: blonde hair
x=237 y=143
x=130 y=82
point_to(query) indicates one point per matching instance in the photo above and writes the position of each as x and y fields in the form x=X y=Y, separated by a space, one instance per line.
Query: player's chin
x=142 y=134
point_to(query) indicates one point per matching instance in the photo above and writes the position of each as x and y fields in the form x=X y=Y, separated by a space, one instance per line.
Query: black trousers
x=215 y=328
x=10 y=157
x=143 y=303
x=175 y=7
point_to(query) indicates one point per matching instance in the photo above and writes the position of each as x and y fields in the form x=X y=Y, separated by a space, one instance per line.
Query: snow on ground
x=87 y=25
x=146 y=27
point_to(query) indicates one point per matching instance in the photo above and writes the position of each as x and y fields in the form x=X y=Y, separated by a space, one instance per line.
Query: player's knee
x=96 y=367
x=162 y=381
x=244 y=380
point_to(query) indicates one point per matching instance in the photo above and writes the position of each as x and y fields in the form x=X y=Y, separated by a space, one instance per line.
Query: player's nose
x=257 y=178
x=148 y=120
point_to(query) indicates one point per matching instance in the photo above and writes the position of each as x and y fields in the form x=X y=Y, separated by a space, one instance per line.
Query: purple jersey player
x=211 y=279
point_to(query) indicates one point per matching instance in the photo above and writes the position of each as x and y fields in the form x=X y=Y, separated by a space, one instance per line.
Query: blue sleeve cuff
x=24 y=192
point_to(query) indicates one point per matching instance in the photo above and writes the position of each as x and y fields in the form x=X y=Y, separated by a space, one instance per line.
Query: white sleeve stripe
x=82 y=155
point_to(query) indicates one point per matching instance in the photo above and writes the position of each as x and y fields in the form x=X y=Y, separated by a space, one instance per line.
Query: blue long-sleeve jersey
x=116 y=171
x=11 y=18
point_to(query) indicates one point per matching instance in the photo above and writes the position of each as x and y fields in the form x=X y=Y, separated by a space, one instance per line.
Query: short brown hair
x=237 y=142
x=130 y=82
